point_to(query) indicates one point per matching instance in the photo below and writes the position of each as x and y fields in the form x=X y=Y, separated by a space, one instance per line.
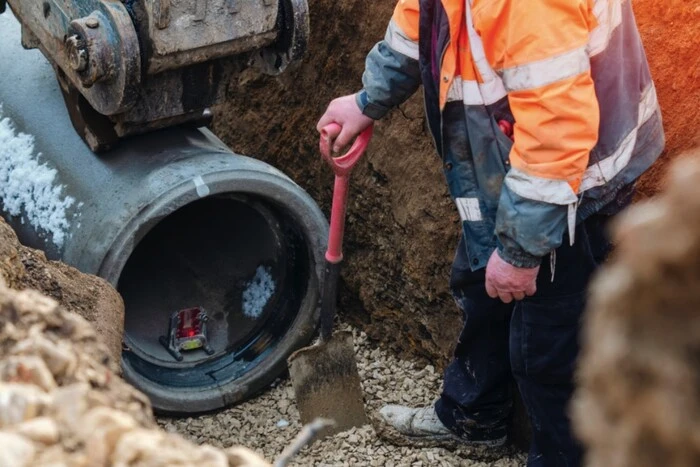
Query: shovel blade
x=327 y=385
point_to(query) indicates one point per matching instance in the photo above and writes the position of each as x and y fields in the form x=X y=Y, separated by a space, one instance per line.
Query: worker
x=544 y=115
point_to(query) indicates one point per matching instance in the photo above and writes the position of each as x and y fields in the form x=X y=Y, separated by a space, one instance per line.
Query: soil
x=402 y=227
x=60 y=400
x=671 y=34
x=88 y=296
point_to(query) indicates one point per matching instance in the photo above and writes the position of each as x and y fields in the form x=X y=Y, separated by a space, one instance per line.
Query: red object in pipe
x=186 y=331
x=342 y=166
x=189 y=323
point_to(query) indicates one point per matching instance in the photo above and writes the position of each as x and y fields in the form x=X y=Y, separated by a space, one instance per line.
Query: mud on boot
x=421 y=427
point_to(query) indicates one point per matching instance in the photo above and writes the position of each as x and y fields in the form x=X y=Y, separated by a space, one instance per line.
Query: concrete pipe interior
x=240 y=258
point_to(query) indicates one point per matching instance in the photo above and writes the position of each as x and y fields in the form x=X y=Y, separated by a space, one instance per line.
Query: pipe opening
x=242 y=259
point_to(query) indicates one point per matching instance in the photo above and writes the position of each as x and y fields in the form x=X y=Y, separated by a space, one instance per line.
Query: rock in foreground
x=89 y=296
x=638 y=402
x=61 y=403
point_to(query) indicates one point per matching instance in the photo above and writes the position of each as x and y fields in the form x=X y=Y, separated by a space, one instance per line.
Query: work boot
x=422 y=427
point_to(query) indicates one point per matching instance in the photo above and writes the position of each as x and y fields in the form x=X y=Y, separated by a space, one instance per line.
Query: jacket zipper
x=425 y=104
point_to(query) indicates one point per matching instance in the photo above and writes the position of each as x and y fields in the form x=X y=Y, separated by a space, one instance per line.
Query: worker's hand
x=507 y=282
x=345 y=112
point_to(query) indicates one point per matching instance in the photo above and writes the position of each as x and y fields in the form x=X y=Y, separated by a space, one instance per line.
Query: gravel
x=268 y=423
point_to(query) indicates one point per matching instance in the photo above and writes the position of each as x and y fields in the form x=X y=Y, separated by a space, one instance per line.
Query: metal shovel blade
x=327 y=384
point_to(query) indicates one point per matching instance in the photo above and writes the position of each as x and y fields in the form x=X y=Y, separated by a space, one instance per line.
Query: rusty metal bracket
x=93 y=42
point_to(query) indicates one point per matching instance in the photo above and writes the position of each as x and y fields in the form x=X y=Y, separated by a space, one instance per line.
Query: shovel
x=324 y=375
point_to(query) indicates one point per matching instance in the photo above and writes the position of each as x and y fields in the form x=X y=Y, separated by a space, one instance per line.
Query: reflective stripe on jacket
x=569 y=75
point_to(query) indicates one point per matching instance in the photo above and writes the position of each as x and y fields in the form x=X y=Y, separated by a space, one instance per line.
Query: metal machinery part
x=173 y=219
x=132 y=66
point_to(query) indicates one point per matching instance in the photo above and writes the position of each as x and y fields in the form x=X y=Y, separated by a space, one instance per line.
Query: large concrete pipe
x=174 y=220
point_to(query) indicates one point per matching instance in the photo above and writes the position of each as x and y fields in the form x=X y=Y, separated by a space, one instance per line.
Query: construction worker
x=544 y=114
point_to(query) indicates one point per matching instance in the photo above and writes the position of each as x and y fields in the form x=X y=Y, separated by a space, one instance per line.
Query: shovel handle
x=329 y=295
x=342 y=166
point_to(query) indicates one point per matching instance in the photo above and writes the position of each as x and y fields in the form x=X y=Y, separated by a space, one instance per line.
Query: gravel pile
x=270 y=422
x=61 y=404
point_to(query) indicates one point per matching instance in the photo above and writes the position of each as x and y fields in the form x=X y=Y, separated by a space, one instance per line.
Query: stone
x=27 y=369
x=100 y=429
x=20 y=402
x=15 y=450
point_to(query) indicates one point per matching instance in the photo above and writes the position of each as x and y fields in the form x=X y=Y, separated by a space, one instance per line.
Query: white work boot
x=423 y=427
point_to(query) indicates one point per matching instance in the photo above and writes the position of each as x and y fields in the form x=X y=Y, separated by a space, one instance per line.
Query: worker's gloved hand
x=345 y=112
x=508 y=282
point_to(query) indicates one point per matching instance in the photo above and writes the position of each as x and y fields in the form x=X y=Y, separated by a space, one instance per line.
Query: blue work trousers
x=536 y=340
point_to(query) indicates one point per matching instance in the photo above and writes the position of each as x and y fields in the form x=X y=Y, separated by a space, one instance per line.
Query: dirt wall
x=671 y=34
x=88 y=296
x=402 y=227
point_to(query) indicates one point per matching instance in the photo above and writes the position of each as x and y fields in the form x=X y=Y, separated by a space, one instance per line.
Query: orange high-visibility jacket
x=571 y=78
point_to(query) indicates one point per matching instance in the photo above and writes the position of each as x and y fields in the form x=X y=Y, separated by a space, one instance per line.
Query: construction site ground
x=269 y=423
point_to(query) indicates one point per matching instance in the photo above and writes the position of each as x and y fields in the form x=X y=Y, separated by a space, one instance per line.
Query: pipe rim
x=269 y=185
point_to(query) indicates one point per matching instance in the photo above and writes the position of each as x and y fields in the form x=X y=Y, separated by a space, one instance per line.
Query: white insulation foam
x=28 y=187
x=257 y=293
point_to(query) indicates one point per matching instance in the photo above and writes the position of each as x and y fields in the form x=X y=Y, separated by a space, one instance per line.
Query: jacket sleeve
x=539 y=49
x=392 y=73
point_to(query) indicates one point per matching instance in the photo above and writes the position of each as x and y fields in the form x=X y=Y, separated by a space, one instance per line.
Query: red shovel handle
x=342 y=166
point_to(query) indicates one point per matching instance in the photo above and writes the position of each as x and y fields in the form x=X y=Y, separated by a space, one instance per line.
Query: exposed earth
x=58 y=384
x=89 y=296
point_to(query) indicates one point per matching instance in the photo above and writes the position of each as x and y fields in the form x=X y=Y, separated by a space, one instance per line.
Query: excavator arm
x=132 y=66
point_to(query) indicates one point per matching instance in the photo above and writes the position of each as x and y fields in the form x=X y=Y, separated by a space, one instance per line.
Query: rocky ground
x=89 y=296
x=63 y=405
x=268 y=423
